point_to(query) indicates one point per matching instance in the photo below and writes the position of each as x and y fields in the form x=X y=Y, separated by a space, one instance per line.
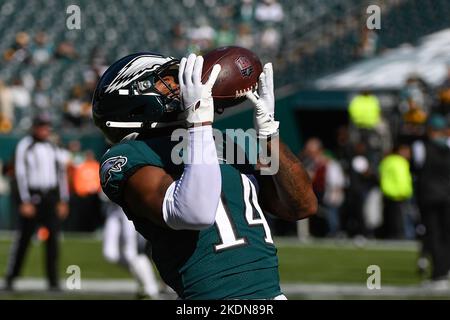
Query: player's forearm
x=191 y=201
x=294 y=196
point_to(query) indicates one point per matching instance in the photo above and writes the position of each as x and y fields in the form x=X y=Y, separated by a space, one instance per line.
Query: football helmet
x=127 y=99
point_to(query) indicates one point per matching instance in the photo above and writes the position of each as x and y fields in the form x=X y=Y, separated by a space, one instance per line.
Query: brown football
x=240 y=72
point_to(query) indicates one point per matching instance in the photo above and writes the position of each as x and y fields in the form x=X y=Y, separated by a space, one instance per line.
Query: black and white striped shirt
x=40 y=165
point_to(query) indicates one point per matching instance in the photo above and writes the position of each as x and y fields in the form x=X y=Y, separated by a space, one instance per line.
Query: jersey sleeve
x=120 y=162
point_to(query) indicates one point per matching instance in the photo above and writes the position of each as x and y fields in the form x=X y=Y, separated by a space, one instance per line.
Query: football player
x=207 y=229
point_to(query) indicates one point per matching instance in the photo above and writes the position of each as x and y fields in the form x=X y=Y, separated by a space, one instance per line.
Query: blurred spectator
x=225 y=36
x=397 y=188
x=432 y=161
x=365 y=111
x=85 y=187
x=269 y=11
x=77 y=109
x=90 y=76
x=246 y=11
x=245 y=37
x=76 y=156
x=365 y=116
x=270 y=40
x=66 y=51
x=373 y=210
x=368 y=43
x=20 y=51
x=41 y=50
x=43 y=195
x=315 y=163
x=6 y=108
x=28 y=80
x=416 y=101
x=224 y=11
x=334 y=194
x=21 y=95
x=202 y=35
x=97 y=60
x=313 y=160
x=41 y=96
x=385 y=135
x=361 y=181
x=444 y=95
x=343 y=147
x=84 y=176
x=178 y=36
x=21 y=98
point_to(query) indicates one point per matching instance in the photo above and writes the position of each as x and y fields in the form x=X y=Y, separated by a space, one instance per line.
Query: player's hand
x=195 y=96
x=27 y=210
x=264 y=102
x=62 y=210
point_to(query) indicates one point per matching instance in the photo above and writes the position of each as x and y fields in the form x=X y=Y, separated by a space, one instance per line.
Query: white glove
x=195 y=96
x=264 y=102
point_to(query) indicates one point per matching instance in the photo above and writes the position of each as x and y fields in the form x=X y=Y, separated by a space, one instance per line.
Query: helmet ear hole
x=219 y=110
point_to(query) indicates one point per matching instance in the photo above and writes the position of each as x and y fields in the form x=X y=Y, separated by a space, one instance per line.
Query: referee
x=40 y=173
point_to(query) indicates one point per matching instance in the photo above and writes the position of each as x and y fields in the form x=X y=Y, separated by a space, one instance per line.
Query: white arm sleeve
x=191 y=202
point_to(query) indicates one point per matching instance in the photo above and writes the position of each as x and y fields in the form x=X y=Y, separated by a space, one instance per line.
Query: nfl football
x=240 y=72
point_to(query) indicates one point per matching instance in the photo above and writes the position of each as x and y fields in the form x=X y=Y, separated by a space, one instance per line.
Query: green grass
x=346 y=265
x=298 y=263
x=325 y=263
x=86 y=253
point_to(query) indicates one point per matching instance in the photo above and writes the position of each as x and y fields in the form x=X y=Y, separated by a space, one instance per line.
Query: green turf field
x=86 y=253
x=346 y=264
x=309 y=263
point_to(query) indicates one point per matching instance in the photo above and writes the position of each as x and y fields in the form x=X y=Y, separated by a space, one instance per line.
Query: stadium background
x=314 y=45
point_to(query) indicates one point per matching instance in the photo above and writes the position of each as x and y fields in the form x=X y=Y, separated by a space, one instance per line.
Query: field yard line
x=111 y=286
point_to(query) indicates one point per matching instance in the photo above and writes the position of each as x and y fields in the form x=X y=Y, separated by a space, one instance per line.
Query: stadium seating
x=309 y=31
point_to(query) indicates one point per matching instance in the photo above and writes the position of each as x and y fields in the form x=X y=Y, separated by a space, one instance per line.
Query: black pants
x=87 y=210
x=354 y=215
x=393 y=219
x=45 y=216
x=436 y=218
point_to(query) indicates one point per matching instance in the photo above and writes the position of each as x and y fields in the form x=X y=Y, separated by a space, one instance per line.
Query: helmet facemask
x=163 y=83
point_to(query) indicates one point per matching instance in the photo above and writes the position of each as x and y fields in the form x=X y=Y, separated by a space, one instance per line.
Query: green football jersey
x=233 y=259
